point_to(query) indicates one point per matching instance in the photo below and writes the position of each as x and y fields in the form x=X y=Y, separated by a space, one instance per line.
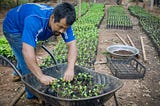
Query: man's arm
x=31 y=61
x=72 y=54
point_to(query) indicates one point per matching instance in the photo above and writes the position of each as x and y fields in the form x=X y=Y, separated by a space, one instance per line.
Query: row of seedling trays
x=149 y=23
x=117 y=18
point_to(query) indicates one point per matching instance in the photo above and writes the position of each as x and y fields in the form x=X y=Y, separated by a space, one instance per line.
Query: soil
x=135 y=92
x=123 y=52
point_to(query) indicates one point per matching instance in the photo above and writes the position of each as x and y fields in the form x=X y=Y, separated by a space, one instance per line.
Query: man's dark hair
x=65 y=10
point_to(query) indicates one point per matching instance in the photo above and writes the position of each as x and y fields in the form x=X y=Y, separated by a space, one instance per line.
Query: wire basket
x=127 y=68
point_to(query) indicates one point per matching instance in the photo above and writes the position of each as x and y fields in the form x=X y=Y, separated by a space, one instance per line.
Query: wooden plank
x=130 y=40
x=17 y=97
x=143 y=50
x=132 y=44
x=121 y=39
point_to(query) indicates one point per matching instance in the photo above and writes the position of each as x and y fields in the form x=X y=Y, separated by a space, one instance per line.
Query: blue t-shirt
x=31 y=20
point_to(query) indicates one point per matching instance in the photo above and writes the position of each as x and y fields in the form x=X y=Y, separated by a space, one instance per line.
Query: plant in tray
x=82 y=86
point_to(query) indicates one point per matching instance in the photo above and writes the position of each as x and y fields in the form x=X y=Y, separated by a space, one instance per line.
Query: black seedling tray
x=126 y=68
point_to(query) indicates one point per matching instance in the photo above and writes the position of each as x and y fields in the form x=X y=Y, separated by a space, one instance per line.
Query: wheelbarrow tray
x=112 y=84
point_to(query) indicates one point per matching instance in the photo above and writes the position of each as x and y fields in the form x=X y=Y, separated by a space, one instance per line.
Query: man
x=26 y=24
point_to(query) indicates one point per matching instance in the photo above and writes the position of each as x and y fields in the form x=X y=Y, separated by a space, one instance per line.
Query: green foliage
x=138 y=11
x=150 y=24
x=5 y=49
x=86 y=33
x=7 y=4
x=38 y=0
x=11 y=3
x=84 y=8
x=118 y=18
x=22 y=1
x=82 y=86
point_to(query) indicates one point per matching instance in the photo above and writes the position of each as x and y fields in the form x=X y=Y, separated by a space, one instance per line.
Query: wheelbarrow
x=112 y=84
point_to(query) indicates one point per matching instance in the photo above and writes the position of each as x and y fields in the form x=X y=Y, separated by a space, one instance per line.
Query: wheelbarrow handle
x=11 y=64
x=52 y=56
x=16 y=70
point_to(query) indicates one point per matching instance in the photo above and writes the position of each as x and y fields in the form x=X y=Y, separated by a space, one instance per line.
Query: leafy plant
x=5 y=49
x=7 y=4
x=149 y=23
x=118 y=18
x=82 y=86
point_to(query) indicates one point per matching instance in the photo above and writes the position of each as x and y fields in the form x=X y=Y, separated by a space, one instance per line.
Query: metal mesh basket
x=127 y=68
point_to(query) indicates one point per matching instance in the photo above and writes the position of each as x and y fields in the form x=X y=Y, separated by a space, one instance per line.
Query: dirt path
x=138 y=92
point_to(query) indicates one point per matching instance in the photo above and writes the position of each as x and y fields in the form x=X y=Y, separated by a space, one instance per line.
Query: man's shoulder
x=37 y=5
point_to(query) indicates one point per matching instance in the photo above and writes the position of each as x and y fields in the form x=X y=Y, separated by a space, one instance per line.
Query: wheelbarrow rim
x=66 y=99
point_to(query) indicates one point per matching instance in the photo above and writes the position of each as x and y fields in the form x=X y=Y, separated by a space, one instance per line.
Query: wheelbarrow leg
x=115 y=99
x=43 y=103
x=15 y=100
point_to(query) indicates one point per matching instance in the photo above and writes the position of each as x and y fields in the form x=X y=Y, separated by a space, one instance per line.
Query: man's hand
x=72 y=54
x=46 y=80
x=68 y=75
x=30 y=59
